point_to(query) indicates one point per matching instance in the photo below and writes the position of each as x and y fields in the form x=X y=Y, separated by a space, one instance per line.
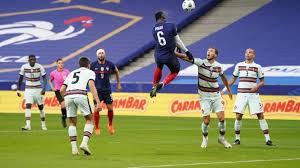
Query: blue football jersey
x=165 y=44
x=103 y=71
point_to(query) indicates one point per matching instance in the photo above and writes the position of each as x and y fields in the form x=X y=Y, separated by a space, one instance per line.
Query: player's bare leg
x=237 y=128
x=265 y=128
x=204 y=128
x=222 y=130
x=110 y=116
x=27 y=126
x=96 y=121
x=43 y=117
x=73 y=135
x=87 y=132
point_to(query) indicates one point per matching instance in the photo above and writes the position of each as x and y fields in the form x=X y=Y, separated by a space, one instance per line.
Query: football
x=188 y=5
x=13 y=87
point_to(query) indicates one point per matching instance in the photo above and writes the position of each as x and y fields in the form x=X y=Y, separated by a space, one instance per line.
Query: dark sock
x=110 y=115
x=63 y=112
x=96 y=119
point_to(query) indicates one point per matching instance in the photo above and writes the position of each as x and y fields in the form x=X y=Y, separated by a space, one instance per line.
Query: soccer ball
x=13 y=87
x=188 y=5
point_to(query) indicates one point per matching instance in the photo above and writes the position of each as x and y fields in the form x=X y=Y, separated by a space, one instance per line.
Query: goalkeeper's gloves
x=189 y=55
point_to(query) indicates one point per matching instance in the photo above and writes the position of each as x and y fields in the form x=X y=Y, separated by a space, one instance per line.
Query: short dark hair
x=159 y=15
x=31 y=55
x=84 y=62
x=216 y=50
x=252 y=50
x=59 y=59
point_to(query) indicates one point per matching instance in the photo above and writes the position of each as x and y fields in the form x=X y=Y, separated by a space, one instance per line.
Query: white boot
x=86 y=149
x=75 y=151
x=223 y=141
x=204 y=142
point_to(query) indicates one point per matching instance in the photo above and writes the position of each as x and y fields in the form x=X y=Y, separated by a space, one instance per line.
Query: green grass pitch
x=147 y=142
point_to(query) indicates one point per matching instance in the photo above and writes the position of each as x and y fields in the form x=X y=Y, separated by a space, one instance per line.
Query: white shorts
x=73 y=103
x=33 y=96
x=252 y=100
x=211 y=104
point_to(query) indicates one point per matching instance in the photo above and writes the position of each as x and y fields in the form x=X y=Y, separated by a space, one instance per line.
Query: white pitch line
x=215 y=163
x=151 y=129
x=15 y=131
x=191 y=129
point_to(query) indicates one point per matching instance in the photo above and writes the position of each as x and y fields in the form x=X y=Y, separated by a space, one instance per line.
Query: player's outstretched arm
x=183 y=57
x=181 y=45
x=225 y=81
x=119 y=87
x=95 y=94
x=19 y=85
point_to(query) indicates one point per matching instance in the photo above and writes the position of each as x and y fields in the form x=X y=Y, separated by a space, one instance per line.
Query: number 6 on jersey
x=160 y=37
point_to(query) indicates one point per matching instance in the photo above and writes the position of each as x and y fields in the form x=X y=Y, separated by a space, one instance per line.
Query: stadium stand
x=53 y=30
x=270 y=30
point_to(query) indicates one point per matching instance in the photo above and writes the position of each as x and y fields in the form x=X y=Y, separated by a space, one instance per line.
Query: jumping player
x=166 y=40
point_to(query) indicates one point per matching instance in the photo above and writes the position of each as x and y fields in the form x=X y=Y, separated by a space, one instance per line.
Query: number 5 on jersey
x=75 y=77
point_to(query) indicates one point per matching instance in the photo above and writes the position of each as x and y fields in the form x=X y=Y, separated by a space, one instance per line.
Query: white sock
x=73 y=136
x=28 y=123
x=27 y=117
x=265 y=128
x=87 y=132
x=42 y=114
x=237 y=128
x=204 y=128
x=267 y=137
x=43 y=118
x=43 y=123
